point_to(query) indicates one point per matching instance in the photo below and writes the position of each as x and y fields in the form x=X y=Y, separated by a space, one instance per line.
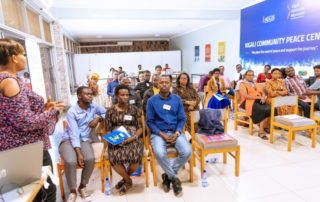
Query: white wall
x=228 y=31
x=101 y=62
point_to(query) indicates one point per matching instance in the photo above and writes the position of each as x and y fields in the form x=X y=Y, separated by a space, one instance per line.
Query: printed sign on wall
x=221 y=51
x=196 y=53
x=208 y=53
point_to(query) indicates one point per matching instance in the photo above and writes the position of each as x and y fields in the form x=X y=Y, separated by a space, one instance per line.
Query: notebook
x=117 y=136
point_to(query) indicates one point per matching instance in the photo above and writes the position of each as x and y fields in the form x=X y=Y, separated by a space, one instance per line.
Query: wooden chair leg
x=146 y=171
x=224 y=157
x=313 y=137
x=154 y=172
x=191 y=168
x=102 y=176
x=235 y=121
x=250 y=126
x=60 y=169
x=237 y=163
x=202 y=162
x=293 y=135
x=289 y=140
x=271 y=133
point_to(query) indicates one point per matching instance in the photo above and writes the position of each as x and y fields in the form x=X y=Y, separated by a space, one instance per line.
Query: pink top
x=23 y=119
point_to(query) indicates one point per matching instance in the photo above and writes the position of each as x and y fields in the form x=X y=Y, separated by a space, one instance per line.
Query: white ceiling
x=96 y=20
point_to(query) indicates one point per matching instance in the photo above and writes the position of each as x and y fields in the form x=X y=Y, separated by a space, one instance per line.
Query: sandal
x=120 y=184
x=125 y=187
x=263 y=136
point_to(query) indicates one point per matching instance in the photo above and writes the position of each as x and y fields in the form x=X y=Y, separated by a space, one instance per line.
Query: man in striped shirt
x=297 y=86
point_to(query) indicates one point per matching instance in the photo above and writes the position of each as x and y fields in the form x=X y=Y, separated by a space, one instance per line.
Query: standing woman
x=25 y=118
x=188 y=94
x=130 y=151
x=216 y=97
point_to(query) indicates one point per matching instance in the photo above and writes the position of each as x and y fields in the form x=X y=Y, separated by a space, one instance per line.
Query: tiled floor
x=268 y=173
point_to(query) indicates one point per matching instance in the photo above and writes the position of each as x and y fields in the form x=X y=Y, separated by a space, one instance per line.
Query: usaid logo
x=268 y=19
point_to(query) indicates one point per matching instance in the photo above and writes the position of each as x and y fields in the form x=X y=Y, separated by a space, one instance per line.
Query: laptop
x=20 y=166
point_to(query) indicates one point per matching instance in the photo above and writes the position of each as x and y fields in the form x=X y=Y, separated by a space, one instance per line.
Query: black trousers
x=47 y=195
x=305 y=107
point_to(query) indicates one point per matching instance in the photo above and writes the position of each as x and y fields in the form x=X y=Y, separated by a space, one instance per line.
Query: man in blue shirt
x=166 y=118
x=76 y=147
x=113 y=84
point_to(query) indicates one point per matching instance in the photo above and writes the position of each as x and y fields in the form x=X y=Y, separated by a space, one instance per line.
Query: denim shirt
x=78 y=123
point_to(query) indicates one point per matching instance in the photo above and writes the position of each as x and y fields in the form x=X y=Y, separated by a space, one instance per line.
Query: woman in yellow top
x=276 y=87
x=216 y=92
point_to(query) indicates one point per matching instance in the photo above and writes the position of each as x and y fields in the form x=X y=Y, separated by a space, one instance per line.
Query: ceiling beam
x=83 y=13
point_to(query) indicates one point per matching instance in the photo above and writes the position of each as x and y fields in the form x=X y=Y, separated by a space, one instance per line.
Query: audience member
x=226 y=80
x=76 y=147
x=283 y=73
x=121 y=71
x=130 y=152
x=113 y=84
x=297 y=86
x=141 y=77
x=27 y=80
x=312 y=79
x=165 y=118
x=252 y=100
x=145 y=85
x=99 y=96
x=216 y=97
x=150 y=92
x=265 y=75
x=140 y=70
x=204 y=81
x=275 y=87
x=25 y=118
x=134 y=97
x=188 y=94
x=158 y=70
x=237 y=76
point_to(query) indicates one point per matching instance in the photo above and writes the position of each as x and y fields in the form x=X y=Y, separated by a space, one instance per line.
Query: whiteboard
x=102 y=62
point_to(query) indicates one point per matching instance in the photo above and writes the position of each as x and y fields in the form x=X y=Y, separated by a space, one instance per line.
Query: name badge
x=147 y=84
x=132 y=102
x=127 y=117
x=166 y=107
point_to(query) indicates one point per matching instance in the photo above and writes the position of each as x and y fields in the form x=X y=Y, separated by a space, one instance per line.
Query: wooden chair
x=314 y=115
x=291 y=123
x=171 y=153
x=145 y=151
x=201 y=149
x=240 y=113
x=101 y=163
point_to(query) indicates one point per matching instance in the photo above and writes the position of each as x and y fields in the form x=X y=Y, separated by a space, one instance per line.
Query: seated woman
x=276 y=87
x=216 y=97
x=252 y=100
x=188 y=94
x=265 y=75
x=130 y=151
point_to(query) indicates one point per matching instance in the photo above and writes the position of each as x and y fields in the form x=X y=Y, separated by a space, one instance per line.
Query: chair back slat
x=285 y=101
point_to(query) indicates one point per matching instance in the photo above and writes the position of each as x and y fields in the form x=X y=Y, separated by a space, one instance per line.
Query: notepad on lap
x=117 y=136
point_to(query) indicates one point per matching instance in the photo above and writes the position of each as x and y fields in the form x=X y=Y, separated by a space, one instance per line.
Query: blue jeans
x=183 y=147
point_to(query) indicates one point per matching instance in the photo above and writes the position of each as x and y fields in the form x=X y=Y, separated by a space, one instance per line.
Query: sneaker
x=84 y=194
x=176 y=185
x=166 y=182
x=72 y=197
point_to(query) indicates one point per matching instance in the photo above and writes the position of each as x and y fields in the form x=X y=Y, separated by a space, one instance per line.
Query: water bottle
x=212 y=160
x=204 y=179
x=107 y=187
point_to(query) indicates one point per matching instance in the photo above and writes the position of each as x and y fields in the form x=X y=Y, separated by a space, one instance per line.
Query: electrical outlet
x=3 y=173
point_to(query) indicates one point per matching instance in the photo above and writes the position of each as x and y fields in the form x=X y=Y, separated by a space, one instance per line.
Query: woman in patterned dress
x=130 y=151
x=188 y=94
x=276 y=87
x=25 y=118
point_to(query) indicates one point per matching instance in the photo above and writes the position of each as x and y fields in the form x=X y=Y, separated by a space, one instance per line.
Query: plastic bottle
x=212 y=160
x=107 y=187
x=204 y=179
